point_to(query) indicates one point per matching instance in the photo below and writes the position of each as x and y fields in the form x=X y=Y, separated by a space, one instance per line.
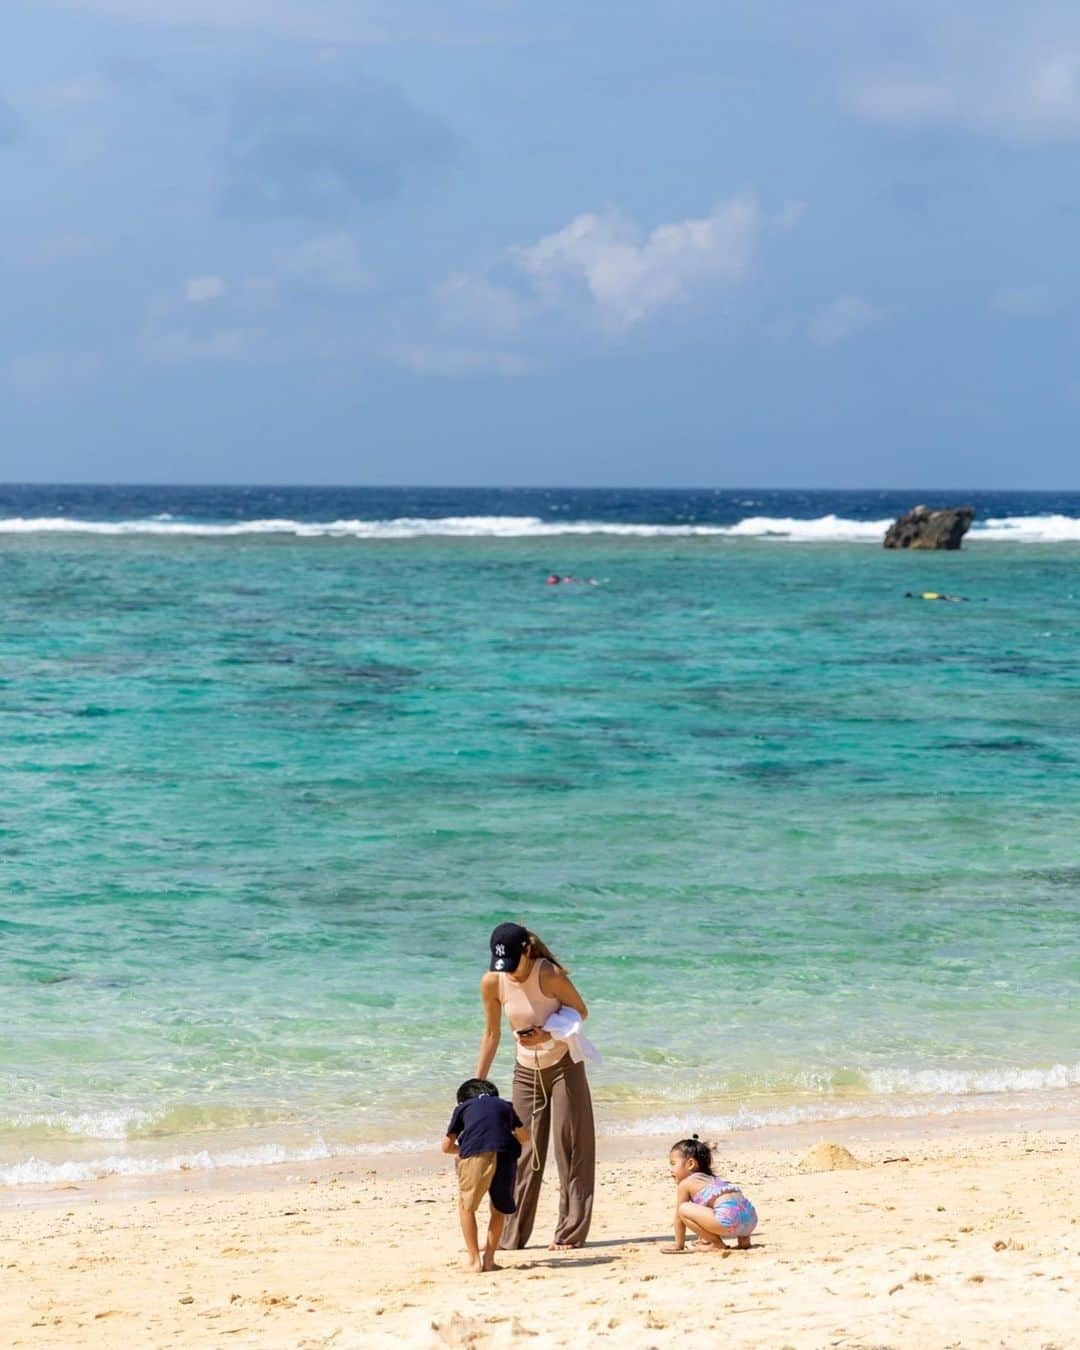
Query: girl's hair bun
x=695 y=1136
x=695 y=1148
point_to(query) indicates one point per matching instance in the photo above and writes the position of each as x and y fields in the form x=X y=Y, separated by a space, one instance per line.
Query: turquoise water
x=809 y=847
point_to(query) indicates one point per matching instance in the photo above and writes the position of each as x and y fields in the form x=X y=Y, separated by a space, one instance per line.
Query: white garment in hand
x=565 y=1025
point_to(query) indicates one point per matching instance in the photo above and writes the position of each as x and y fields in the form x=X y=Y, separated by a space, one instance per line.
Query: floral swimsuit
x=735 y=1215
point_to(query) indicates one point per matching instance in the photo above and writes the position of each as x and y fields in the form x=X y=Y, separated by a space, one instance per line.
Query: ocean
x=276 y=760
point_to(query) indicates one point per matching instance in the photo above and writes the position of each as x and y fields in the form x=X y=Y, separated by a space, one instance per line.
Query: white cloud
x=1034 y=103
x=291 y=312
x=464 y=301
x=329 y=262
x=629 y=275
x=601 y=275
x=998 y=68
x=841 y=319
x=200 y=289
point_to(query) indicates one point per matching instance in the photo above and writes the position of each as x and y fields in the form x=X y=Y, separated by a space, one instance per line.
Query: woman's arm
x=489 y=1041
x=557 y=984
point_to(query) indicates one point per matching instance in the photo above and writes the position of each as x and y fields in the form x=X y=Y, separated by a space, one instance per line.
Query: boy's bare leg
x=472 y=1241
x=494 y=1233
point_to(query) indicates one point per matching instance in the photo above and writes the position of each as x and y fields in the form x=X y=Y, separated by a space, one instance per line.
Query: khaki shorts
x=475 y=1176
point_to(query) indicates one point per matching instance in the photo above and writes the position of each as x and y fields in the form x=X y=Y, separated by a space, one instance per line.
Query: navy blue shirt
x=485 y=1125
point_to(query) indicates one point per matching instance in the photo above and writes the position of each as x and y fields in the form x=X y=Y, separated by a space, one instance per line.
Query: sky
x=700 y=243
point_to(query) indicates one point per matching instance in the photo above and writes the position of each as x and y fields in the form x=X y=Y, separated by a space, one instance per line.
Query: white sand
x=973 y=1239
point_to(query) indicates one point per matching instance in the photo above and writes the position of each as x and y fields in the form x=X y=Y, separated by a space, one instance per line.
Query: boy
x=487 y=1136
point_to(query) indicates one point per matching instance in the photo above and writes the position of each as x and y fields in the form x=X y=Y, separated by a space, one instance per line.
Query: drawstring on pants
x=538 y=1081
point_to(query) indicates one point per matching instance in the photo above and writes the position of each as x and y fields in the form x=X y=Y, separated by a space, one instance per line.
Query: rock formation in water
x=923 y=528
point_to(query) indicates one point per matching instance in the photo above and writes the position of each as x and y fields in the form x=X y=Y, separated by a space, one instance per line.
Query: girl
x=713 y=1208
x=551 y=1092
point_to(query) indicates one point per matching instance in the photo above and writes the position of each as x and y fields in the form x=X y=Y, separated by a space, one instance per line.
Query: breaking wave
x=1053 y=529
x=1044 y=529
x=36 y=1171
x=402 y=527
x=889 y=1093
x=897 y=1093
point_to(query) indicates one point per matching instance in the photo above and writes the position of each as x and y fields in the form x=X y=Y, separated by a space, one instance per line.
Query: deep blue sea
x=275 y=760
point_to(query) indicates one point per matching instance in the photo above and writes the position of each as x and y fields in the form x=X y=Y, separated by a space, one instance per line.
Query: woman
x=528 y=984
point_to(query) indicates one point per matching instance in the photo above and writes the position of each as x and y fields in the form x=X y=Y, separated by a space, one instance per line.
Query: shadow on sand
x=569 y=1259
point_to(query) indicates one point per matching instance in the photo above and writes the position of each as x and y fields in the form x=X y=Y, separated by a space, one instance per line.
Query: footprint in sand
x=479 y=1333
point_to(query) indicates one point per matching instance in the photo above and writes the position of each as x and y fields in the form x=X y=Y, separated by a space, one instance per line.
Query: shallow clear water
x=808 y=846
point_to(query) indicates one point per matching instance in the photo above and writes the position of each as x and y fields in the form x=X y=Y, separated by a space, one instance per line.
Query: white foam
x=95 y=1124
x=403 y=527
x=899 y=1092
x=114 y=1124
x=894 y=1092
x=37 y=1171
x=676 y=1123
x=1051 y=529
x=968 y=1082
x=868 y=1108
x=833 y=529
x=822 y=529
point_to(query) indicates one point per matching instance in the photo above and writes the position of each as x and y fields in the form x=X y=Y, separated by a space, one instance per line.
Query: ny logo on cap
x=500 y=950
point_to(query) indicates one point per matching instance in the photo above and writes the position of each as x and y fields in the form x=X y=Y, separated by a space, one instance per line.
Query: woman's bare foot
x=489 y=1262
x=563 y=1246
x=710 y=1245
x=474 y=1264
x=672 y=1250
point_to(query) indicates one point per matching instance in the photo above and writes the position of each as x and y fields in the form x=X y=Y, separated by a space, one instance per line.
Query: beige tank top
x=526 y=1005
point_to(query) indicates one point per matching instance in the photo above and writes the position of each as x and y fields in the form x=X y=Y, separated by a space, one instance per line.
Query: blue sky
x=772 y=243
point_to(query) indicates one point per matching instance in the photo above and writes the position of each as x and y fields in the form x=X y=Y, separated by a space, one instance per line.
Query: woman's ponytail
x=540 y=950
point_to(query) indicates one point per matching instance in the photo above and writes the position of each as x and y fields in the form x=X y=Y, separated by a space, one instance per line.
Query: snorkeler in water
x=934 y=595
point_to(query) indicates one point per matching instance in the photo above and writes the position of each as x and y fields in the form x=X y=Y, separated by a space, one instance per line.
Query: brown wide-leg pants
x=565 y=1089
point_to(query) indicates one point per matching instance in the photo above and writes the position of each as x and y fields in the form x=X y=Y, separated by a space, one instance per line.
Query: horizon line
x=508 y=487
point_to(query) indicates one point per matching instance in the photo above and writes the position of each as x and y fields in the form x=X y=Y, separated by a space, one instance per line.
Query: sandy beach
x=947 y=1234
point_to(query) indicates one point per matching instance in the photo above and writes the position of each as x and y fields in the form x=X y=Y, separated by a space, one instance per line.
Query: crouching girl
x=712 y=1208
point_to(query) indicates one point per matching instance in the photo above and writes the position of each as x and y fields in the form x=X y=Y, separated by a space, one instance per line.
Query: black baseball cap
x=508 y=942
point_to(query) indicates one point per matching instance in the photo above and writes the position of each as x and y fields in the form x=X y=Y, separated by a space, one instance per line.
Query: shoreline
x=944 y=1235
x=871 y=1132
